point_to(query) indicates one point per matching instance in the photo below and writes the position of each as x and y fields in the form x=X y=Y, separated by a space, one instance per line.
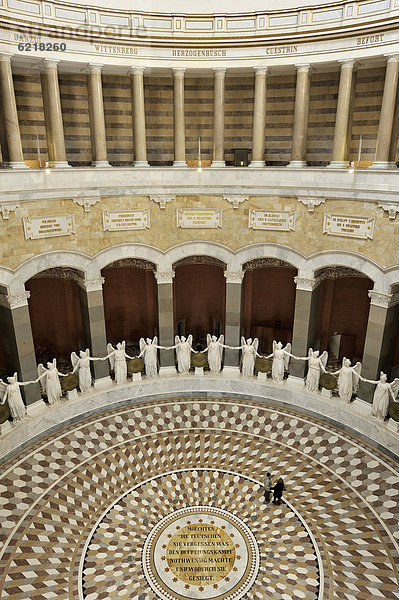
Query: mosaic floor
x=164 y=499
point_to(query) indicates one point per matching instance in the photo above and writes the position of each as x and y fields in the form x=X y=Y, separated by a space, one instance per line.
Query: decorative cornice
x=235 y=199
x=306 y=284
x=162 y=199
x=234 y=276
x=338 y=273
x=87 y=201
x=12 y=301
x=7 y=207
x=136 y=263
x=390 y=208
x=92 y=285
x=259 y=263
x=199 y=259
x=380 y=299
x=164 y=276
x=311 y=201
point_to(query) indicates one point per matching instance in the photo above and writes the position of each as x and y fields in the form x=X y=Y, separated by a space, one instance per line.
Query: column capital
x=261 y=70
x=92 y=285
x=347 y=63
x=94 y=67
x=304 y=68
x=392 y=58
x=221 y=70
x=380 y=298
x=164 y=276
x=50 y=63
x=234 y=276
x=6 y=56
x=178 y=71
x=306 y=284
x=12 y=301
x=136 y=70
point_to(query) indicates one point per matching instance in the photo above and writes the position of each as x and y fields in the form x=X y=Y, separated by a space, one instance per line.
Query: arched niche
x=130 y=300
x=268 y=301
x=55 y=313
x=199 y=292
x=342 y=311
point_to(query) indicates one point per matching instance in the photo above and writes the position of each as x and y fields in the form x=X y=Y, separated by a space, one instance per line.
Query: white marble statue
x=348 y=379
x=148 y=350
x=215 y=353
x=316 y=365
x=281 y=358
x=249 y=350
x=382 y=395
x=50 y=381
x=183 y=348
x=81 y=364
x=11 y=391
x=117 y=359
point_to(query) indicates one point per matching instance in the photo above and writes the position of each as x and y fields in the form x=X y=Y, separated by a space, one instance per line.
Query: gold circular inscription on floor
x=202 y=550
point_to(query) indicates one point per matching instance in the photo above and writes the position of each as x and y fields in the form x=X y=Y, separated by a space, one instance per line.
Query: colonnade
x=387 y=132
x=18 y=344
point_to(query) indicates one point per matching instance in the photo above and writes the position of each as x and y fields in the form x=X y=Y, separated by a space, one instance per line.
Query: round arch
x=284 y=253
x=112 y=254
x=352 y=260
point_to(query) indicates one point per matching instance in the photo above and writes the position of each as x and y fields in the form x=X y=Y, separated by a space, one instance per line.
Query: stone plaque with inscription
x=358 y=227
x=206 y=218
x=36 y=228
x=133 y=219
x=272 y=220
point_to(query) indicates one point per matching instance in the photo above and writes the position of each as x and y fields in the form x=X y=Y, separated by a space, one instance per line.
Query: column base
x=338 y=164
x=141 y=163
x=230 y=372
x=297 y=164
x=392 y=165
x=100 y=164
x=218 y=164
x=257 y=164
x=103 y=383
x=180 y=163
x=35 y=409
x=381 y=164
x=60 y=164
x=14 y=165
x=167 y=371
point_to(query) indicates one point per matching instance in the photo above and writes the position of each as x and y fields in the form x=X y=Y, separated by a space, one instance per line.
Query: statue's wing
x=190 y=340
x=3 y=387
x=255 y=344
x=343 y=361
x=111 y=350
x=142 y=344
x=395 y=386
x=242 y=340
x=324 y=358
x=55 y=363
x=74 y=359
x=221 y=342
x=177 y=340
x=357 y=369
x=274 y=345
x=40 y=371
x=310 y=352
x=287 y=349
x=123 y=344
x=155 y=340
x=208 y=339
x=87 y=351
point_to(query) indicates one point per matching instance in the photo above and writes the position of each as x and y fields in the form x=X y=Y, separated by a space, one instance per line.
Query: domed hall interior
x=199 y=300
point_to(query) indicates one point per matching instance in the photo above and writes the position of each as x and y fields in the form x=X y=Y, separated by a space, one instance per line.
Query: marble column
x=218 y=117
x=166 y=327
x=379 y=343
x=178 y=118
x=11 y=137
x=381 y=160
x=340 y=148
x=92 y=307
x=233 y=321
x=97 y=120
x=395 y=135
x=259 y=122
x=301 y=116
x=53 y=112
x=306 y=300
x=18 y=346
x=139 y=135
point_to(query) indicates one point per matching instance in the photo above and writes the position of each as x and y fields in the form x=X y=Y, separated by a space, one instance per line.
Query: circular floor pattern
x=162 y=456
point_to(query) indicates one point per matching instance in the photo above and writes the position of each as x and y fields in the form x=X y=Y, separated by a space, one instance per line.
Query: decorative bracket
x=391 y=209
x=235 y=199
x=7 y=207
x=162 y=199
x=87 y=201
x=311 y=201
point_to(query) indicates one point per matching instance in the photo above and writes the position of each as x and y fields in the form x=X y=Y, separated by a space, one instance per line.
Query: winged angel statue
x=117 y=360
x=348 y=379
x=215 y=352
x=281 y=358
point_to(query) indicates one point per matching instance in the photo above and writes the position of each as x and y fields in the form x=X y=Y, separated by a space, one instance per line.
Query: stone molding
x=199 y=260
x=258 y=263
x=12 y=301
x=235 y=199
x=390 y=208
x=136 y=263
x=338 y=273
x=164 y=276
x=234 y=276
x=163 y=199
x=92 y=285
x=87 y=201
x=380 y=299
x=7 y=207
x=311 y=201
x=59 y=273
x=306 y=284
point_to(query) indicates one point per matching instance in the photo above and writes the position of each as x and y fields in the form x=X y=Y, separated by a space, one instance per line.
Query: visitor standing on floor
x=268 y=486
x=278 y=491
